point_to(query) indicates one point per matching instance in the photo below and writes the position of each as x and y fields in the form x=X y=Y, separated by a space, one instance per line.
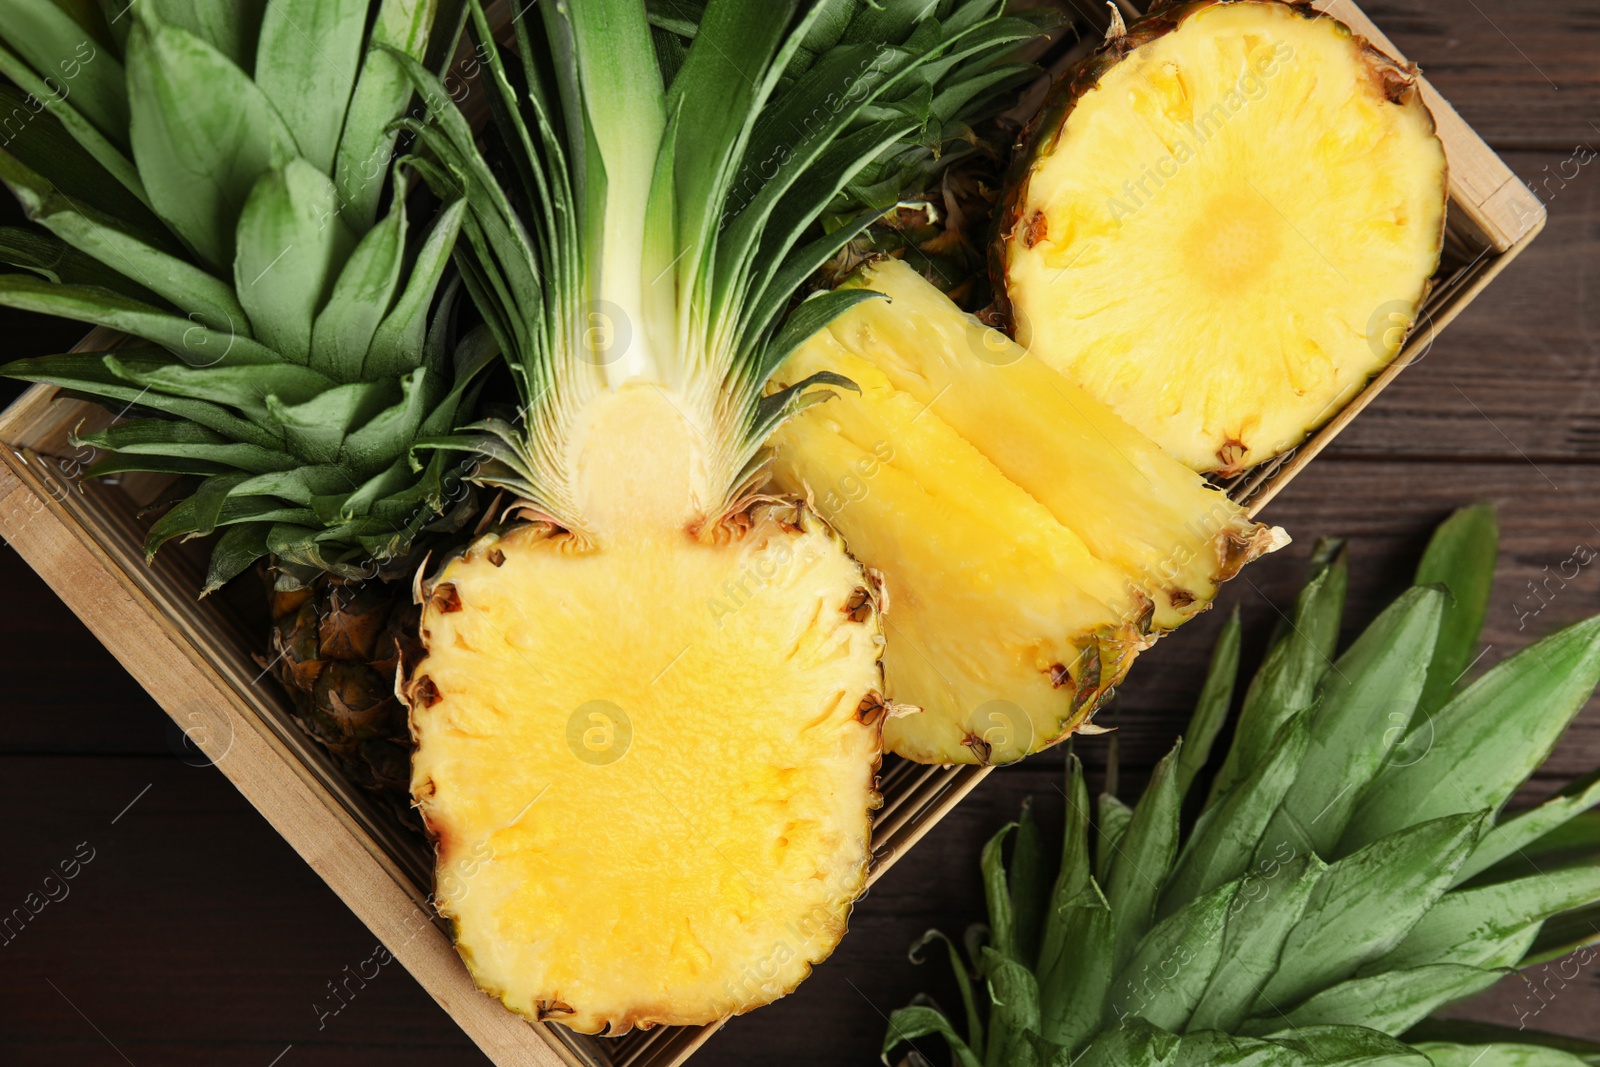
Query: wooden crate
x=196 y=657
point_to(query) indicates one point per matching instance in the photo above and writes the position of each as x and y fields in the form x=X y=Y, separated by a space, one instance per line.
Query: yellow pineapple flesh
x=1031 y=542
x=647 y=754
x=1226 y=226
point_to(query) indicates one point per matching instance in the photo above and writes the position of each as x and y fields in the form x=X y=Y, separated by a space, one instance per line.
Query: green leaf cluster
x=1351 y=871
x=667 y=172
x=223 y=182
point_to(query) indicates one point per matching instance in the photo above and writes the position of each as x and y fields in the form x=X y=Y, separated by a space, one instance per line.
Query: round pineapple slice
x=1225 y=224
x=647 y=752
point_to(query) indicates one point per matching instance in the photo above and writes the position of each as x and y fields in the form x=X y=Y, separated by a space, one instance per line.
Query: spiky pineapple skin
x=335 y=647
x=691 y=856
x=1219 y=433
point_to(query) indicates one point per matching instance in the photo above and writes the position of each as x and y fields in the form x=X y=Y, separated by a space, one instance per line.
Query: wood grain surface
x=195 y=935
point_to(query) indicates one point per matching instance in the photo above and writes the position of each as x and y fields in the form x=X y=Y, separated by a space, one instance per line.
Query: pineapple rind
x=1222 y=299
x=702 y=871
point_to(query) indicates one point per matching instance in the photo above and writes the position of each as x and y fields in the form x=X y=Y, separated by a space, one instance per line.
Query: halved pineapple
x=1226 y=225
x=1031 y=542
x=647 y=756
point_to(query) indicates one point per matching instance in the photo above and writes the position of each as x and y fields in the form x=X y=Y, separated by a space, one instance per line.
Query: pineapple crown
x=1351 y=870
x=208 y=178
x=667 y=167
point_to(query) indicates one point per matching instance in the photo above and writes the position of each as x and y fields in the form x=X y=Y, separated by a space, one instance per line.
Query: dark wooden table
x=196 y=936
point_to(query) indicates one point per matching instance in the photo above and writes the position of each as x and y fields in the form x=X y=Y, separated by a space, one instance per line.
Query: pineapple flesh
x=1031 y=542
x=647 y=753
x=1226 y=226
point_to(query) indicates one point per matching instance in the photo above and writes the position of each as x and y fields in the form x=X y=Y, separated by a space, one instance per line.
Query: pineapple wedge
x=1225 y=224
x=1031 y=542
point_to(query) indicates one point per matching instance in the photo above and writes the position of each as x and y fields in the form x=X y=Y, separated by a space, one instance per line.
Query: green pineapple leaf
x=291 y=244
x=1076 y=942
x=104 y=239
x=1266 y=907
x=958 y=967
x=1002 y=918
x=1168 y=974
x=908 y=1024
x=1391 y=1002
x=198 y=344
x=1364 y=705
x=1030 y=887
x=1486 y=741
x=55 y=261
x=1460 y=557
x=361 y=297
x=1499 y=1056
x=381 y=93
x=380 y=442
x=48 y=38
x=186 y=440
x=404 y=330
x=1367 y=903
x=1013 y=1010
x=1288 y=679
x=1454 y=1033
x=1228 y=834
x=1139 y=1044
x=306 y=59
x=109 y=155
x=1529 y=836
x=1144 y=856
x=1492 y=925
x=88 y=373
x=46 y=147
x=237 y=548
x=202 y=133
x=1348 y=1045
x=252 y=390
x=232 y=29
x=1110 y=828
x=1211 y=710
x=1566 y=933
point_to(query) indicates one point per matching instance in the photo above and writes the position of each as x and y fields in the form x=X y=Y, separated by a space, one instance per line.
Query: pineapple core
x=1225 y=232
x=648 y=755
x=1031 y=542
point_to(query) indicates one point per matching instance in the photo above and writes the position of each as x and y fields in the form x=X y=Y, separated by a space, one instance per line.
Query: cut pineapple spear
x=1031 y=542
x=1226 y=225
